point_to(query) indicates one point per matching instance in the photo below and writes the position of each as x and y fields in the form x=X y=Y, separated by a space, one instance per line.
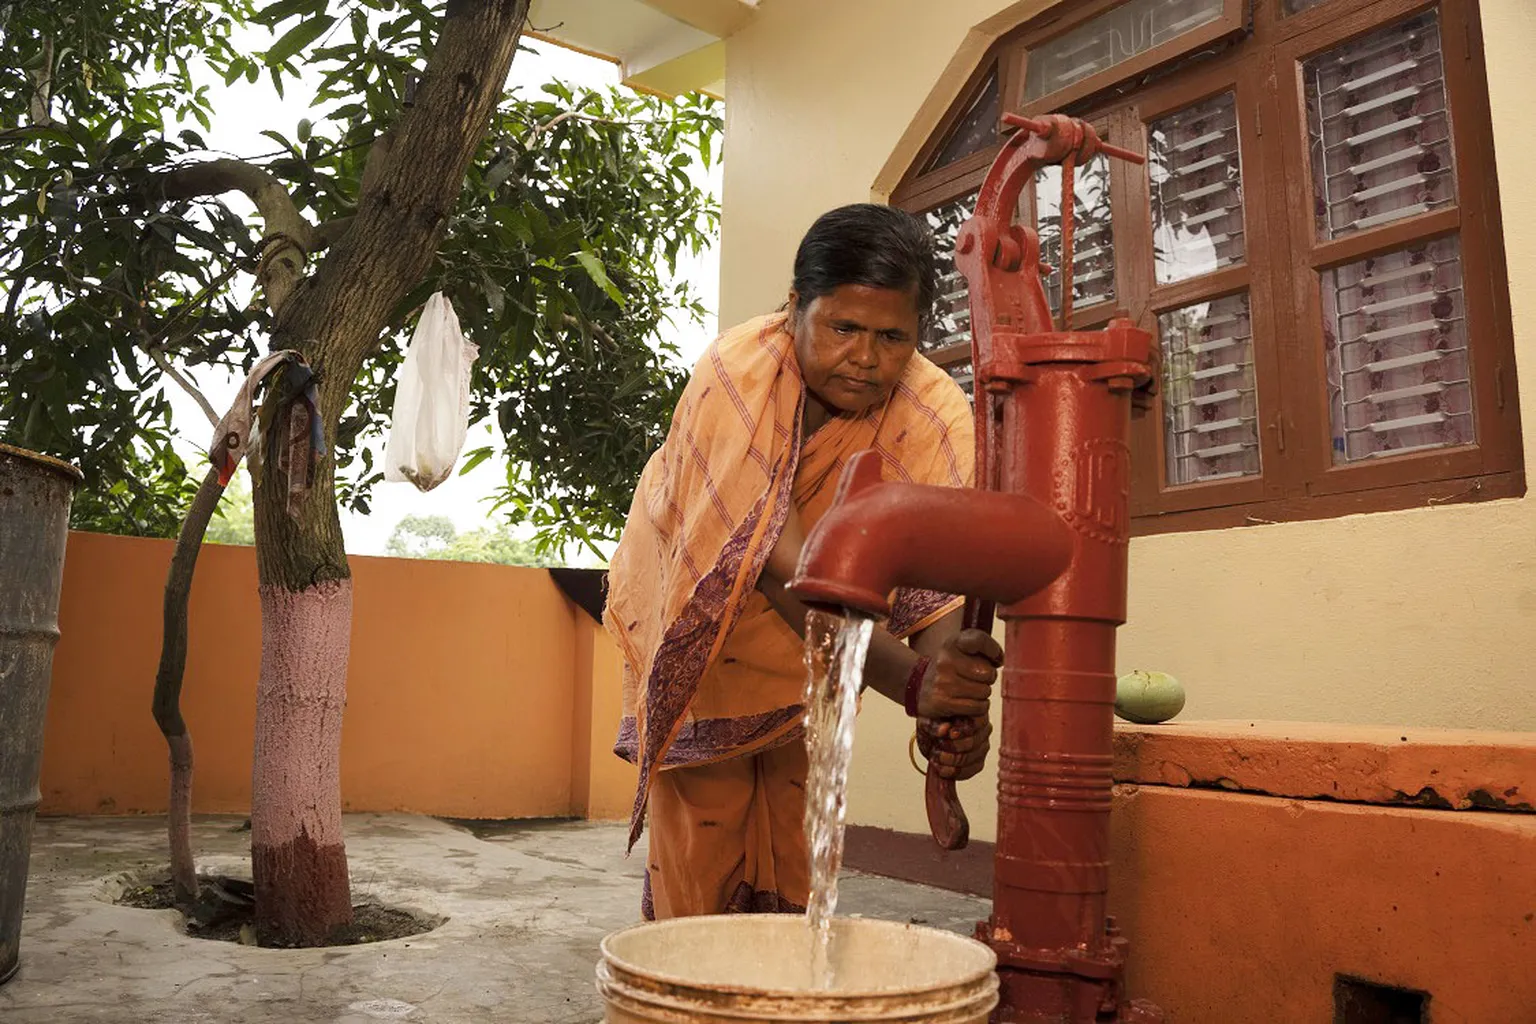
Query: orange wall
x=1240 y=909
x=474 y=691
x=1243 y=906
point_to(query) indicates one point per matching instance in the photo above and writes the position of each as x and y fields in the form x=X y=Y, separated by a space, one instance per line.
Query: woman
x=713 y=674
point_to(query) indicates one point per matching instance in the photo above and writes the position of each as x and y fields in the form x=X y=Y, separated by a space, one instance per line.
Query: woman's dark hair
x=871 y=245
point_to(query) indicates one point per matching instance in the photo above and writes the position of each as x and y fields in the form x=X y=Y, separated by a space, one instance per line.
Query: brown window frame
x=1064 y=19
x=1283 y=262
x=917 y=189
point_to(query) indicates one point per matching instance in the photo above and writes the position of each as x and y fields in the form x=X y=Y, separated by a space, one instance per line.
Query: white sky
x=243 y=111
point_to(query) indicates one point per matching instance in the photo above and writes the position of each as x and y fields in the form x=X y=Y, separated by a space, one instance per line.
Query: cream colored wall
x=1417 y=617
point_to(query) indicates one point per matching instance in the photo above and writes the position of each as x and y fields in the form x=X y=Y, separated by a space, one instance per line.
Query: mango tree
x=553 y=223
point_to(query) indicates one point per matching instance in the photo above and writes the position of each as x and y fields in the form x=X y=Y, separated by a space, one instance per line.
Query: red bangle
x=915 y=684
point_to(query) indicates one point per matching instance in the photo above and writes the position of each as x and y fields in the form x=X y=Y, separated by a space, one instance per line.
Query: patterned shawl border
x=695 y=638
x=713 y=739
x=916 y=610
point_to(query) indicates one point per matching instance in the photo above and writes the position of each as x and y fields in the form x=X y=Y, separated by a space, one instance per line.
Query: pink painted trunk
x=297 y=853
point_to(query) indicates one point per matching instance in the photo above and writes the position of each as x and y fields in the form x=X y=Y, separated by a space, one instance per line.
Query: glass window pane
x=976 y=130
x=1093 y=251
x=1210 y=405
x=964 y=376
x=1394 y=328
x=1197 y=190
x=1380 y=132
x=951 y=324
x=1297 y=6
x=1112 y=38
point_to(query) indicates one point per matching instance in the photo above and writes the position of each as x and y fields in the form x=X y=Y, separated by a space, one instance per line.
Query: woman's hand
x=959 y=680
x=784 y=559
x=955 y=749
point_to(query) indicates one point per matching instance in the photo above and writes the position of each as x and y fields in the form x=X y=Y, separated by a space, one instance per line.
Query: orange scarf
x=709 y=508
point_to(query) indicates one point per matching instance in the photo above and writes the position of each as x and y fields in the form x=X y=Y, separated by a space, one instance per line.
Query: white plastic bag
x=431 y=413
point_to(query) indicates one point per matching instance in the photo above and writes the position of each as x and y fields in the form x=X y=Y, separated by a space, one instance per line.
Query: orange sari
x=713 y=677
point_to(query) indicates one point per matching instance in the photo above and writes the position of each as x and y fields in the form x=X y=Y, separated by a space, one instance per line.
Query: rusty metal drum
x=35 y=494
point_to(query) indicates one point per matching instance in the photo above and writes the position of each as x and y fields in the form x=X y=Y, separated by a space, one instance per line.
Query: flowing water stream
x=835 y=649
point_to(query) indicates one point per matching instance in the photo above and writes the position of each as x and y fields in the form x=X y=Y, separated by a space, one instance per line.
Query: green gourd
x=1148 y=698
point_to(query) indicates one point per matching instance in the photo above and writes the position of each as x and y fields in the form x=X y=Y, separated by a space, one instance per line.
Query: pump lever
x=946 y=816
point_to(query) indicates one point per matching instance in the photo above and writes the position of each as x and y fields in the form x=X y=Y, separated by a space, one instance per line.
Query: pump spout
x=881 y=535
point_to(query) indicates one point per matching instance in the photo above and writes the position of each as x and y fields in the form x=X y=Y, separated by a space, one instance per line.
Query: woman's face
x=854 y=342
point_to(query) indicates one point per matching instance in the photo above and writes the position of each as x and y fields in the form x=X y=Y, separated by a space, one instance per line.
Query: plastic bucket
x=737 y=968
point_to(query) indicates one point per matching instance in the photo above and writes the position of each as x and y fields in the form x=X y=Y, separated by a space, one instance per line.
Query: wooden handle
x=946 y=818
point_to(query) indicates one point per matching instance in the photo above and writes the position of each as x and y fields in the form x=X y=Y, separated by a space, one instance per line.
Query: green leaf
x=594 y=268
x=474 y=459
x=498 y=172
x=298 y=37
x=512 y=217
x=275 y=13
x=495 y=294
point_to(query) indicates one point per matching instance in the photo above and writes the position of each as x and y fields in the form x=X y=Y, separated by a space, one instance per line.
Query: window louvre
x=964 y=376
x=951 y=324
x=1210 y=402
x=1113 y=38
x=1197 y=190
x=1380 y=130
x=1398 y=370
x=1093 y=239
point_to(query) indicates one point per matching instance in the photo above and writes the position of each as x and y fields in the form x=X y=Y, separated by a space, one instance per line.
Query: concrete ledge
x=1242 y=909
x=1447 y=769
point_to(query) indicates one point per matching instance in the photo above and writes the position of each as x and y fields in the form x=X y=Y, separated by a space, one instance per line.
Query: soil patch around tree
x=226 y=912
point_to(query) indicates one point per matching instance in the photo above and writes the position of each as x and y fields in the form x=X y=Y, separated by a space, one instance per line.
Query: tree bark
x=336 y=317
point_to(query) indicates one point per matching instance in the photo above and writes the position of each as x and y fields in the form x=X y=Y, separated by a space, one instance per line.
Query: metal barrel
x=35 y=493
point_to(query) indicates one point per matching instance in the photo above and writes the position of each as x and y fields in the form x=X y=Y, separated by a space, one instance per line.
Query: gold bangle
x=912 y=755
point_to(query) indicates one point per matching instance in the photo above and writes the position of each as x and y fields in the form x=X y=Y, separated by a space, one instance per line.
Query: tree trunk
x=335 y=317
x=297 y=854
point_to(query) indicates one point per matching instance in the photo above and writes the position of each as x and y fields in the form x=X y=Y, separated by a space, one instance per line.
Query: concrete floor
x=526 y=908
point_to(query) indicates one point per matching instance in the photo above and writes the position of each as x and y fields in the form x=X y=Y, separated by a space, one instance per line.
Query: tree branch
x=287 y=241
x=162 y=332
x=329 y=233
x=167 y=699
x=378 y=157
x=186 y=383
x=404 y=204
x=40 y=104
x=540 y=129
x=572 y=321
